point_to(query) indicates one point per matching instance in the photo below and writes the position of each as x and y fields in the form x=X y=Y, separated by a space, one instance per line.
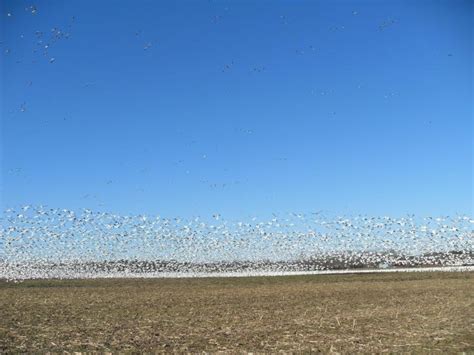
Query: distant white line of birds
x=36 y=241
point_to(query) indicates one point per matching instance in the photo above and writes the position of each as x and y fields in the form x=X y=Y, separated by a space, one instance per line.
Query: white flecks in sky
x=386 y=24
x=228 y=66
x=389 y=95
x=147 y=45
x=32 y=9
x=245 y=130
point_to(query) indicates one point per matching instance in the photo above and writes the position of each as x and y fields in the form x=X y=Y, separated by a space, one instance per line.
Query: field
x=413 y=312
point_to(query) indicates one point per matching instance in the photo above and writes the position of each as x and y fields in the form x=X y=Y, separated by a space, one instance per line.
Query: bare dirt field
x=414 y=312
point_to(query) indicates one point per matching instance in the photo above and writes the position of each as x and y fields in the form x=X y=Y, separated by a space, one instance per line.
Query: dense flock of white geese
x=43 y=242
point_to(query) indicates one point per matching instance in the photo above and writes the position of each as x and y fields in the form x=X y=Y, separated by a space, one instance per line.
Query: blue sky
x=239 y=107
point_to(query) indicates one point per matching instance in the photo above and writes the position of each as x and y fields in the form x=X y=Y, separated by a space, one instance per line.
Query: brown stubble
x=343 y=313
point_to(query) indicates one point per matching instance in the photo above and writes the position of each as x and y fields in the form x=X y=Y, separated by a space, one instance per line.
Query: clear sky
x=184 y=108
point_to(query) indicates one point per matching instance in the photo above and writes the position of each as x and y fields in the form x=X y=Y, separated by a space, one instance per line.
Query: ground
x=413 y=312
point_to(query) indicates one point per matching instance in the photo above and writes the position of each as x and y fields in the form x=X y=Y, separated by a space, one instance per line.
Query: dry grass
x=365 y=313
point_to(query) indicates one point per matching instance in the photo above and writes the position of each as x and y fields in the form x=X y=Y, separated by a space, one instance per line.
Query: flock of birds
x=45 y=40
x=41 y=242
